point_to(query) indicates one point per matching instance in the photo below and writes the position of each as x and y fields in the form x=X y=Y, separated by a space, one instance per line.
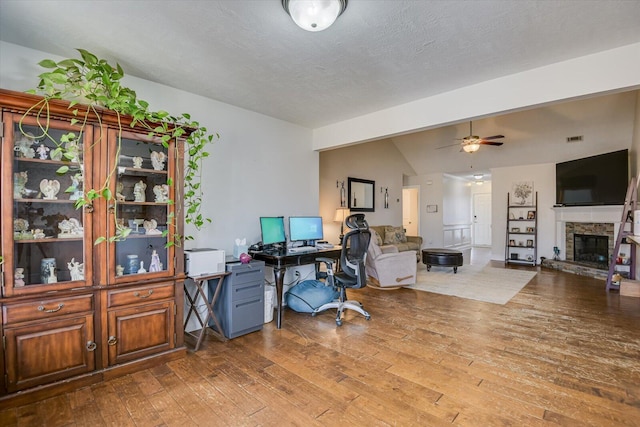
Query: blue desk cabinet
x=240 y=305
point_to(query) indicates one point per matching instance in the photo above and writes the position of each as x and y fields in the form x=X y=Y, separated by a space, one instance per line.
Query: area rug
x=476 y=282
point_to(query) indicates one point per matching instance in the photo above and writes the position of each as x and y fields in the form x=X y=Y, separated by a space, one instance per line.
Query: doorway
x=482 y=219
x=411 y=210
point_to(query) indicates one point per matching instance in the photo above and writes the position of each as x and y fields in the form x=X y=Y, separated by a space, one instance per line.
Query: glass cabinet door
x=44 y=234
x=142 y=220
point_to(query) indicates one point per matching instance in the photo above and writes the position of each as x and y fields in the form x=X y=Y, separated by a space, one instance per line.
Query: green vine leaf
x=94 y=83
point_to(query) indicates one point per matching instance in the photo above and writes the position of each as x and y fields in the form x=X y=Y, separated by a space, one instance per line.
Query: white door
x=482 y=219
x=410 y=215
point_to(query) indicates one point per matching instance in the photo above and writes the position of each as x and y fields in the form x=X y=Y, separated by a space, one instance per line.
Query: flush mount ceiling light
x=478 y=176
x=314 y=15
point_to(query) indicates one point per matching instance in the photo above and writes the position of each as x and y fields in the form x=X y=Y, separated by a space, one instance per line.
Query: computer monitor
x=272 y=229
x=305 y=228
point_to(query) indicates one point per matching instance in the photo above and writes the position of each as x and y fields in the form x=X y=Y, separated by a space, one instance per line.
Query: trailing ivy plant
x=90 y=84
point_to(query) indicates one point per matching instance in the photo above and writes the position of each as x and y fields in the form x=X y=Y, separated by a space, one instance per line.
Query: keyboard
x=302 y=249
x=324 y=246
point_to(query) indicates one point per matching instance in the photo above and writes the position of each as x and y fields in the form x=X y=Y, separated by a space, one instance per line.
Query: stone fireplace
x=592 y=225
x=589 y=243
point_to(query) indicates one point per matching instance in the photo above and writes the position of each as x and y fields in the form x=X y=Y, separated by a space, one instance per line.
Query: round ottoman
x=442 y=257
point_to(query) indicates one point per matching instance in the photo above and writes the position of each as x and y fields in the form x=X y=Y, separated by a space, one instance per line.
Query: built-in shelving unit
x=522 y=232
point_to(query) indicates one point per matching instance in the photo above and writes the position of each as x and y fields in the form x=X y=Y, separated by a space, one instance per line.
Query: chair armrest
x=416 y=239
x=327 y=261
x=396 y=255
x=389 y=249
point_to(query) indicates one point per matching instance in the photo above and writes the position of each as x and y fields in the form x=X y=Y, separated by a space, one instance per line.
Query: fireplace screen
x=591 y=249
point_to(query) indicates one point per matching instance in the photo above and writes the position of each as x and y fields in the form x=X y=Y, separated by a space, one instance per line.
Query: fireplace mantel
x=609 y=214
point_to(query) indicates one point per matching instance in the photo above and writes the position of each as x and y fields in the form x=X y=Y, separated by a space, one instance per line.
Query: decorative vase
x=133 y=264
x=48 y=270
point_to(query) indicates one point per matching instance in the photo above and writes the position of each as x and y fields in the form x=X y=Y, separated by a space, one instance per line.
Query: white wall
x=378 y=161
x=502 y=180
x=260 y=165
x=456 y=201
x=431 y=193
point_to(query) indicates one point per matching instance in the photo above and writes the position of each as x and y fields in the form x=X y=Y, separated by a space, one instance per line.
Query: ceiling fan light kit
x=314 y=15
x=471 y=146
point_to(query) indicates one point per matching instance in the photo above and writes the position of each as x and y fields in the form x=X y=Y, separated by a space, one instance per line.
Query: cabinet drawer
x=138 y=294
x=246 y=273
x=245 y=290
x=46 y=308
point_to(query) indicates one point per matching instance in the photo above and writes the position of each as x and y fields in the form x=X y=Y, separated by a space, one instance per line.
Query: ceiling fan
x=471 y=143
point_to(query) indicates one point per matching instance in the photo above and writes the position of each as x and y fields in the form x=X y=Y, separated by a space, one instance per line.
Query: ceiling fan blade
x=490 y=143
x=493 y=137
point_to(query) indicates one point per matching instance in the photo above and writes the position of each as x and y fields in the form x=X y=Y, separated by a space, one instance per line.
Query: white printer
x=201 y=261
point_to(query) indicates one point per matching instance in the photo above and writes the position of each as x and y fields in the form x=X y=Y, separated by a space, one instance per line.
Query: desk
x=200 y=282
x=281 y=261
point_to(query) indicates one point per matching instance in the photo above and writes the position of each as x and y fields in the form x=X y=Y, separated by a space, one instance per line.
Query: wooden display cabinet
x=110 y=307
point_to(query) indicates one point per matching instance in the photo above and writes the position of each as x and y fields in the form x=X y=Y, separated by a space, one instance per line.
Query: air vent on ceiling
x=574 y=138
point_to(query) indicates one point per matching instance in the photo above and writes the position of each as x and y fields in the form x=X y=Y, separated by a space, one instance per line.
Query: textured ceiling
x=378 y=53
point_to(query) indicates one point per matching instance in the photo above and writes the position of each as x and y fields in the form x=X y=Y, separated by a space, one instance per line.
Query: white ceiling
x=378 y=54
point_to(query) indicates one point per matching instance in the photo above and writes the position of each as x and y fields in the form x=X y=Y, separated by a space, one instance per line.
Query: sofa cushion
x=394 y=235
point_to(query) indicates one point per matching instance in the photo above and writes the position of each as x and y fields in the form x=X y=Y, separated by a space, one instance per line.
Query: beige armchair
x=388 y=268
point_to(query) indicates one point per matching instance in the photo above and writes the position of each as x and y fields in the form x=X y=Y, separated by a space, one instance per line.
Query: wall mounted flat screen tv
x=305 y=228
x=595 y=180
x=272 y=229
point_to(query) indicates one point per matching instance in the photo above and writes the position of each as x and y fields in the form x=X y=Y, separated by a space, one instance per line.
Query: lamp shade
x=341 y=214
x=314 y=15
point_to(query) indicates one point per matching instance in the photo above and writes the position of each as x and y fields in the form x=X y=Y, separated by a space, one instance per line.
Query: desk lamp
x=341 y=215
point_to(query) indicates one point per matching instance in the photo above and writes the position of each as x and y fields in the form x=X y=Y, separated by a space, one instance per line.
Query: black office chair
x=352 y=272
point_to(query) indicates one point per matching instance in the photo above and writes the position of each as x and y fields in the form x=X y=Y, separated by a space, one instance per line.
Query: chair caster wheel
x=367 y=318
x=339 y=322
x=313 y=314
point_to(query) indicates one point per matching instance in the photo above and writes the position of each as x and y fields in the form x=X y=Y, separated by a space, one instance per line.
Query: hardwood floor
x=561 y=352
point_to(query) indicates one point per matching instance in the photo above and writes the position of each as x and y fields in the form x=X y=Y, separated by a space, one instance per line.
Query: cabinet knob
x=112 y=340
x=50 y=310
x=91 y=345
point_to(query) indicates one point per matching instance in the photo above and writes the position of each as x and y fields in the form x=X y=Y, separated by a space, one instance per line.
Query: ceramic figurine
x=119 y=188
x=137 y=162
x=141 y=269
x=38 y=234
x=18 y=277
x=43 y=151
x=75 y=187
x=155 y=262
x=50 y=188
x=157 y=160
x=76 y=269
x=139 y=191
x=19 y=181
x=151 y=227
x=119 y=270
x=161 y=192
x=70 y=228
x=22 y=146
x=72 y=151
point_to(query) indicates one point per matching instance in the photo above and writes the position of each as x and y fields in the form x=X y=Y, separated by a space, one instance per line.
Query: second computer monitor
x=306 y=229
